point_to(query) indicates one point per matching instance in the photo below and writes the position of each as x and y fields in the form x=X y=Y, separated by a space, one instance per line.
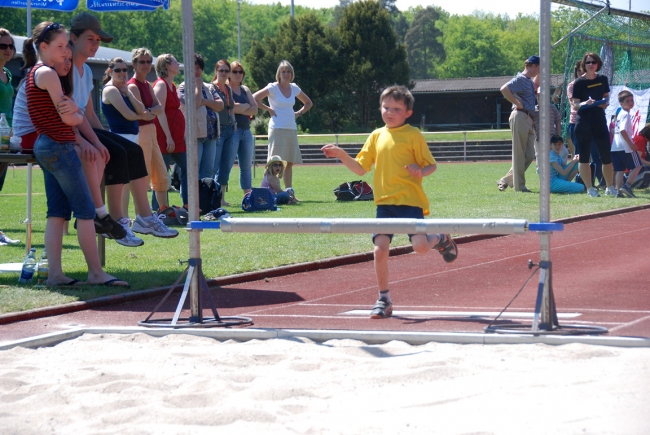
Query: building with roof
x=474 y=103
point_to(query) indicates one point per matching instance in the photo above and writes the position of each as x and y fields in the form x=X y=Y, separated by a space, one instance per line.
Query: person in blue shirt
x=562 y=172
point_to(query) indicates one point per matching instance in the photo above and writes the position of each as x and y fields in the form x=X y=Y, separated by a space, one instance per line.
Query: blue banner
x=135 y=5
x=54 y=5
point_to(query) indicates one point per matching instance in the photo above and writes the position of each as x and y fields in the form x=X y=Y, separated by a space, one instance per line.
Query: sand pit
x=137 y=384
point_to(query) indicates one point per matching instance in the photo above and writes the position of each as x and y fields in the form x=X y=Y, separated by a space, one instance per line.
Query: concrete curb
x=368 y=337
x=261 y=274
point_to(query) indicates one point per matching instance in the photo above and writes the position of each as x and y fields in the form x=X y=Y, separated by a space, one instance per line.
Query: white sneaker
x=611 y=191
x=130 y=239
x=593 y=192
x=153 y=225
x=4 y=240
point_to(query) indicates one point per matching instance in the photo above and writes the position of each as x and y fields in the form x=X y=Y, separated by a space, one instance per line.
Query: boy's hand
x=331 y=151
x=414 y=170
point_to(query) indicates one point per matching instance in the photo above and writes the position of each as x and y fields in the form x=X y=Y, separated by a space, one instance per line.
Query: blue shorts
x=623 y=160
x=398 y=211
x=66 y=187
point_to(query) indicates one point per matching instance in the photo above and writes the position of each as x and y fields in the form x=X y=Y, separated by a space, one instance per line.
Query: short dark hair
x=398 y=93
x=623 y=95
x=198 y=59
x=555 y=139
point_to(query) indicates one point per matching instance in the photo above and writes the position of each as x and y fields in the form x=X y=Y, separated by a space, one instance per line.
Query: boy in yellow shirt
x=401 y=158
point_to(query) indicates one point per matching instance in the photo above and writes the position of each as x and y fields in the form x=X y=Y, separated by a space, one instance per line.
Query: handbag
x=354 y=191
x=258 y=199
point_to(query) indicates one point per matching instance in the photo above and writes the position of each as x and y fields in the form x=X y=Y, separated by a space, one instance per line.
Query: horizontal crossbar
x=375 y=226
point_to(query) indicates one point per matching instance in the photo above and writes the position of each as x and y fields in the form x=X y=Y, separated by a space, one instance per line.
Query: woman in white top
x=283 y=131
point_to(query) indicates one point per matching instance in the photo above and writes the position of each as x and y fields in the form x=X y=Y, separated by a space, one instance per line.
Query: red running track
x=598 y=279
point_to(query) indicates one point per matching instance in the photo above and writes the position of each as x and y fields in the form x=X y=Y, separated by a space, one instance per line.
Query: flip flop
x=114 y=283
x=73 y=283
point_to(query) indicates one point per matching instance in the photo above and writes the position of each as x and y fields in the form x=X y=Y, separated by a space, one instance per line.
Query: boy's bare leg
x=381 y=254
x=632 y=176
x=423 y=243
x=618 y=179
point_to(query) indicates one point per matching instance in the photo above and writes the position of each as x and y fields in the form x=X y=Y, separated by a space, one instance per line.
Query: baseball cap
x=534 y=60
x=85 y=21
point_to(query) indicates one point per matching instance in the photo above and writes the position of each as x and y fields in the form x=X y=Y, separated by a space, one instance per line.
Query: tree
x=472 y=49
x=372 y=57
x=424 y=43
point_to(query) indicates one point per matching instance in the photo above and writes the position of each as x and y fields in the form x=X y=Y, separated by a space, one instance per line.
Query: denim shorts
x=398 y=211
x=66 y=187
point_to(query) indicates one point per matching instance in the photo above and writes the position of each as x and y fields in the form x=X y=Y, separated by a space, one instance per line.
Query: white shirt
x=83 y=86
x=623 y=123
x=285 y=117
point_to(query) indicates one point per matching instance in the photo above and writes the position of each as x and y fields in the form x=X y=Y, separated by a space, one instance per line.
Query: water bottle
x=29 y=265
x=5 y=134
x=42 y=269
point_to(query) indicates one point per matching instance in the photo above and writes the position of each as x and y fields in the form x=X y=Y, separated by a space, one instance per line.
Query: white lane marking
x=459 y=314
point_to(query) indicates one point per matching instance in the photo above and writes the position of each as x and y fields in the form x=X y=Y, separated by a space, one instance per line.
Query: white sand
x=137 y=384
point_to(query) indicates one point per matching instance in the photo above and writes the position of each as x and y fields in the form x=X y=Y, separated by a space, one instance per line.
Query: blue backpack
x=258 y=199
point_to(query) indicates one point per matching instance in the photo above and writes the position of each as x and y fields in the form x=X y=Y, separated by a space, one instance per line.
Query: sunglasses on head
x=53 y=26
x=119 y=70
x=591 y=62
x=142 y=62
x=9 y=46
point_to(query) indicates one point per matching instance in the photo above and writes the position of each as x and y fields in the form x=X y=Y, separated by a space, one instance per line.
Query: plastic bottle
x=29 y=265
x=42 y=269
x=5 y=134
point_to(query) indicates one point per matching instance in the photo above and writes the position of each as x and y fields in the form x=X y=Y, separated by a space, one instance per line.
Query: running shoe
x=130 y=240
x=611 y=191
x=627 y=191
x=593 y=193
x=4 y=240
x=447 y=248
x=153 y=225
x=107 y=227
x=382 y=309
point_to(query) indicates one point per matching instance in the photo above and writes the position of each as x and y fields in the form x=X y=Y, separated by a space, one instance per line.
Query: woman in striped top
x=54 y=114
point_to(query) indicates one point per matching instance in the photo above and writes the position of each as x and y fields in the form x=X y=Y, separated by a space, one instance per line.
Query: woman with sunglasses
x=158 y=177
x=54 y=115
x=225 y=153
x=591 y=124
x=283 y=131
x=245 y=108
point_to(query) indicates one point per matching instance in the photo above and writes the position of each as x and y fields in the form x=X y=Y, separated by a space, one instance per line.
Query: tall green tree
x=372 y=55
x=472 y=49
x=424 y=43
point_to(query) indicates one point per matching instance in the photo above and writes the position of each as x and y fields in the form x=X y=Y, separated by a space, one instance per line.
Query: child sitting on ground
x=272 y=175
x=624 y=155
x=561 y=171
x=401 y=158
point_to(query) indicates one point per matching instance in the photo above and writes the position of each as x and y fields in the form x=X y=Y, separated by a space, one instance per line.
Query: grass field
x=456 y=190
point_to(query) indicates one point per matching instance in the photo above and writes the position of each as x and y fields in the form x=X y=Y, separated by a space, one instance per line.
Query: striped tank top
x=43 y=114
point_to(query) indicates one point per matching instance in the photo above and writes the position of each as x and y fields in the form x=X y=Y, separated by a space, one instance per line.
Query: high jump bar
x=375 y=226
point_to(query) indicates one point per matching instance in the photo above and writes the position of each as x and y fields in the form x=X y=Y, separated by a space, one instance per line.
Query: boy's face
x=394 y=113
x=87 y=44
x=628 y=103
x=557 y=147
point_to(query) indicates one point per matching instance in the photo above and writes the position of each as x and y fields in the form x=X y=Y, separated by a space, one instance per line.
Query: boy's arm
x=332 y=151
x=626 y=138
x=419 y=172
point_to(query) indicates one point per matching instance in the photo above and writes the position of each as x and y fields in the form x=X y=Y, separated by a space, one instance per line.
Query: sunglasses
x=119 y=70
x=3 y=47
x=142 y=62
x=277 y=165
x=591 y=62
x=225 y=71
x=238 y=72
x=53 y=26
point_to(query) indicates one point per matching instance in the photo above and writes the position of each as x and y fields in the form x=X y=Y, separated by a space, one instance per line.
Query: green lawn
x=456 y=190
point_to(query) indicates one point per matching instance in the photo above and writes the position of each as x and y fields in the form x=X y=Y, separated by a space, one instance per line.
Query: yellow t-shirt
x=391 y=150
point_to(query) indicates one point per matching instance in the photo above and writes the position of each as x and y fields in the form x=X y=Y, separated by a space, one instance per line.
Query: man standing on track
x=520 y=91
